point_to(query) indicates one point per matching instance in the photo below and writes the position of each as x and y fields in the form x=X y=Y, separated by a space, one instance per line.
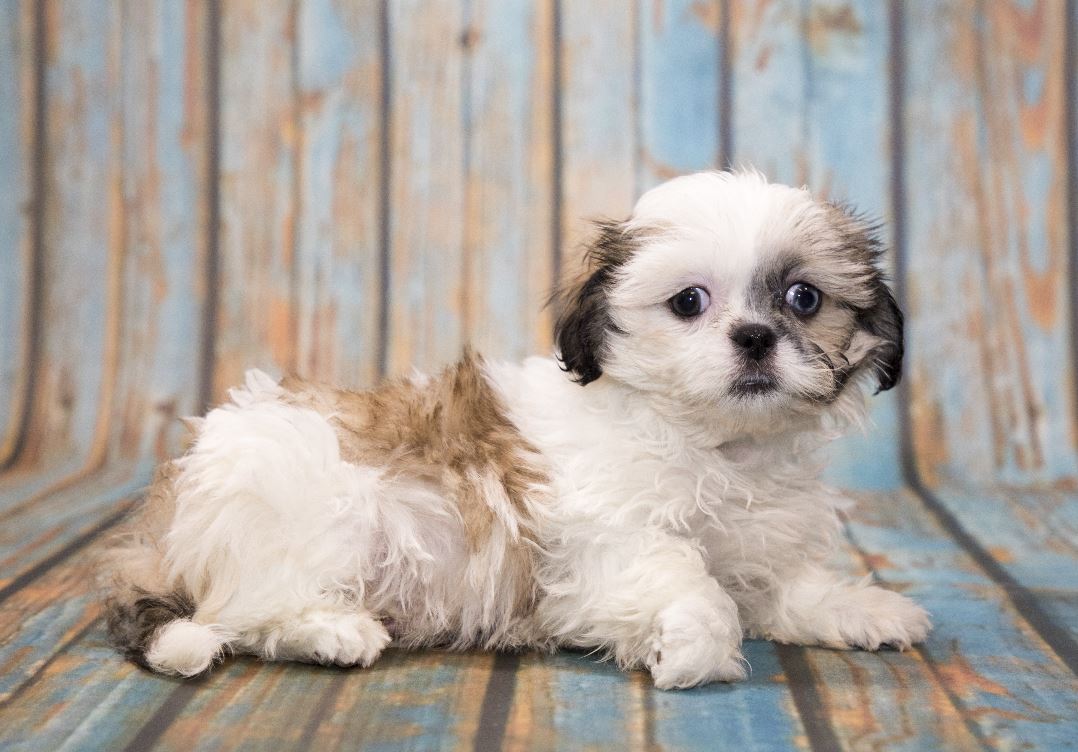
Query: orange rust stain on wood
x=929 y=432
x=709 y=14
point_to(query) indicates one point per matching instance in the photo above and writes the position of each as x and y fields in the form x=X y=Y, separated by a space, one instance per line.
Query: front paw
x=873 y=617
x=693 y=644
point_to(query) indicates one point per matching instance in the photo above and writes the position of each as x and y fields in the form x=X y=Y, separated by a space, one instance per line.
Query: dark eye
x=692 y=301
x=803 y=299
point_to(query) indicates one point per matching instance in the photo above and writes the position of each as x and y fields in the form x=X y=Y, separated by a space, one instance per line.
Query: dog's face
x=724 y=290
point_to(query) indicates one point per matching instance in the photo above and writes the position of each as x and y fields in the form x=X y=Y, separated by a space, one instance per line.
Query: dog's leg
x=648 y=599
x=817 y=607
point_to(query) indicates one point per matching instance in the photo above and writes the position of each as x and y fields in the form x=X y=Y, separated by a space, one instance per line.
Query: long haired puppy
x=650 y=491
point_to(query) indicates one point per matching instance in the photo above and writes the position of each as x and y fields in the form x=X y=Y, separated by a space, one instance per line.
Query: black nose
x=755 y=339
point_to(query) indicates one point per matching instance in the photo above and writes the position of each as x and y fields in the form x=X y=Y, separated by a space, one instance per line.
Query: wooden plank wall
x=350 y=189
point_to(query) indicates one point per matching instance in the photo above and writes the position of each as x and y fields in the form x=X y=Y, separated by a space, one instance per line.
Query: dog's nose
x=756 y=340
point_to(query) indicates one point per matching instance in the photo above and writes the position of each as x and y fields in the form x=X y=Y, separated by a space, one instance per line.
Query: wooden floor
x=995 y=569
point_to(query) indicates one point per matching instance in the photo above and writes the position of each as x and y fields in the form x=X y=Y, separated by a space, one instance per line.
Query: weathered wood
x=598 y=109
x=426 y=161
x=1008 y=686
x=509 y=202
x=680 y=55
x=259 y=187
x=338 y=251
x=165 y=143
x=991 y=379
x=18 y=84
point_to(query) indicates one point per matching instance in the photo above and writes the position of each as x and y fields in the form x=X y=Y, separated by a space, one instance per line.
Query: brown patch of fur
x=451 y=432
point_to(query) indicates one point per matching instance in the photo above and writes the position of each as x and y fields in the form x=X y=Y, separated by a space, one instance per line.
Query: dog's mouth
x=754 y=385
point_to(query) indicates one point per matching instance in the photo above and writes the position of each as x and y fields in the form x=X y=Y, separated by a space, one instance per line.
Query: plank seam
x=806 y=696
x=1025 y=603
x=67 y=551
x=726 y=94
x=212 y=169
x=497 y=701
x=557 y=146
x=924 y=652
x=34 y=678
x=160 y=721
x=1070 y=93
x=384 y=185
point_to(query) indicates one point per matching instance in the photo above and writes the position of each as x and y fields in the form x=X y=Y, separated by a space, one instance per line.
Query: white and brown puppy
x=657 y=502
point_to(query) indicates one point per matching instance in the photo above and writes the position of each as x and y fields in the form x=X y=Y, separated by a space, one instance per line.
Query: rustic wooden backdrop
x=346 y=189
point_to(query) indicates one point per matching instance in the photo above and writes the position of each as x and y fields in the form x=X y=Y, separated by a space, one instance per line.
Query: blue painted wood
x=1007 y=684
x=16 y=187
x=338 y=252
x=509 y=234
x=992 y=395
x=163 y=285
x=679 y=88
x=256 y=320
x=598 y=108
x=426 y=150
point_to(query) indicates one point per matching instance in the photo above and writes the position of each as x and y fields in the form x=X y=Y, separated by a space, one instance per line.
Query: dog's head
x=722 y=290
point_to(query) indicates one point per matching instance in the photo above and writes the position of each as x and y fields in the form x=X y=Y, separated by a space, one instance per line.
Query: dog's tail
x=148 y=618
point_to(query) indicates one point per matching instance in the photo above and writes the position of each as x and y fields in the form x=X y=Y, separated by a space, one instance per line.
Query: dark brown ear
x=584 y=321
x=885 y=321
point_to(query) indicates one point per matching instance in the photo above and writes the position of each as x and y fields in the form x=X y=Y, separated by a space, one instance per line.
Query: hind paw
x=342 y=638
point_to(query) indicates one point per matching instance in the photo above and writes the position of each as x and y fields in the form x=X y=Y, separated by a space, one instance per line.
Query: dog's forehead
x=723 y=224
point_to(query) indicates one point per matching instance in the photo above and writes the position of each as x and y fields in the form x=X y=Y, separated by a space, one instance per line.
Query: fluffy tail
x=148 y=618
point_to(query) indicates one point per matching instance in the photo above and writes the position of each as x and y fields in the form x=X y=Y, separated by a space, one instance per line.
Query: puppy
x=650 y=492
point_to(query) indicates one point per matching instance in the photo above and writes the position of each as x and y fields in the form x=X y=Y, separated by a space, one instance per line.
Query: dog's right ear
x=584 y=321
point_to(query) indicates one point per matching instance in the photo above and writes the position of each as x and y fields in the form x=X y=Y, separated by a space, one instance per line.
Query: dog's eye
x=803 y=299
x=692 y=301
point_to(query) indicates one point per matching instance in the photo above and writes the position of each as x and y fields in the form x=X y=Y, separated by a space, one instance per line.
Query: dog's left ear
x=584 y=322
x=884 y=321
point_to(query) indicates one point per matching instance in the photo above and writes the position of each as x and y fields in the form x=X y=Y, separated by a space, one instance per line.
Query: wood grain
x=599 y=111
x=992 y=387
x=259 y=186
x=426 y=281
x=338 y=251
x=509 y=232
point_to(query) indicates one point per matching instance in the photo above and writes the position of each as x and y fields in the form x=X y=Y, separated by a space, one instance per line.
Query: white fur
x=676 y=519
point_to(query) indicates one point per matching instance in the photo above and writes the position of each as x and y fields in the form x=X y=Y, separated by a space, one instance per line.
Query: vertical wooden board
x=164 y=84
x=810 y=91
x=338 y=256
x=680 y=57
x=992 y=385
x=426 y=212
x=83 y=239
x=258 y=185
x=1009 y=687
x=599 y=140
x=17 y=100
x=769 y=127
x=509 y=237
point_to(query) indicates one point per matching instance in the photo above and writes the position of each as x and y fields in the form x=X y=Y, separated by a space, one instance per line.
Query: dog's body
x=659 y=512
